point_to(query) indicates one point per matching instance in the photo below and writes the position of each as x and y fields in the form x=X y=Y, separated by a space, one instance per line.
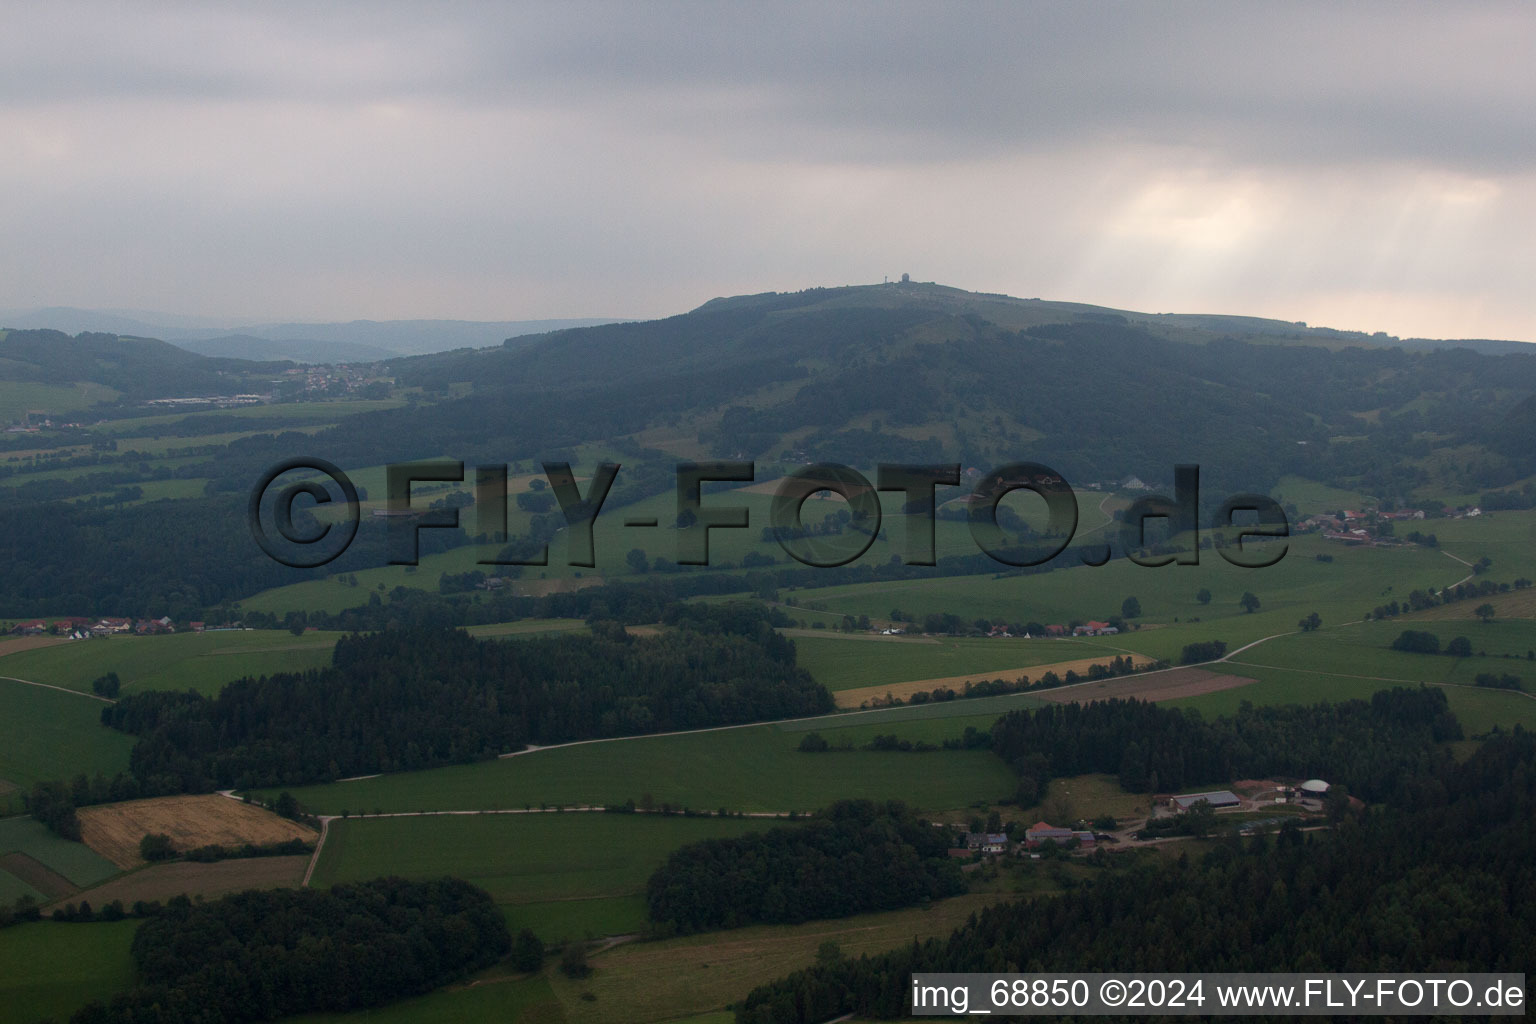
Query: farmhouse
x=986 y=842
x=1041 y=832
x=1218 y=800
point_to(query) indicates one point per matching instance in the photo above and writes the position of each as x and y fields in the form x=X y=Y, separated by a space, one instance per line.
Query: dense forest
x=1380 y=749
x=1447 y=884
x=260 y=955
x=405 y=700
x=855 y=857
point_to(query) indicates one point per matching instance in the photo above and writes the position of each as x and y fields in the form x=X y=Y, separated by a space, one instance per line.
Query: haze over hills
x=354 y=341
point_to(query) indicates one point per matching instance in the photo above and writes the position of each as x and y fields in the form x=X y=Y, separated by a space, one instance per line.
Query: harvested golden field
x=857 y=697
x=13 y=644
x=166 y=881
x=1153 y=686
x=114 y=830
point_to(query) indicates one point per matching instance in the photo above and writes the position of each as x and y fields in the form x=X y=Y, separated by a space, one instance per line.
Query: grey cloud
x=1451 y=84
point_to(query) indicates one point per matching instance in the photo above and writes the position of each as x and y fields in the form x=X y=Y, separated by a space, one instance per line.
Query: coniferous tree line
x=260 y=955
x=1376 y=747
x=857 y=856
x=1447 y=884
x=410 y=699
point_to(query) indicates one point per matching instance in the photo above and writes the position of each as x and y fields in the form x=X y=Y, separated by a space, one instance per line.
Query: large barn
x=1218 y=800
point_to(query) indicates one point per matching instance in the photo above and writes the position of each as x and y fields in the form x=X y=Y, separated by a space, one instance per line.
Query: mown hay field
x=114 y=830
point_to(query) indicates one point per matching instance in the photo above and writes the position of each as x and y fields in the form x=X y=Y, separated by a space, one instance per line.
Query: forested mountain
x=921 y=372
x=860 y=375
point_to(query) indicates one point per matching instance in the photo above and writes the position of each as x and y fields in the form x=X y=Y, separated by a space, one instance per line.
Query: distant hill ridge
x=353 y=341
x=139 y=368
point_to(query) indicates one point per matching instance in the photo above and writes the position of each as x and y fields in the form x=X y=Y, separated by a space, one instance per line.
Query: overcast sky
x=1366 y=167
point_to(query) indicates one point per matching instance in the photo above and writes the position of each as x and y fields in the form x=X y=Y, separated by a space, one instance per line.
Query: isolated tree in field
x=1203 y=596
x=107 y=685
x=1460 y=647
x=1417 y=641
x=527 y=951
x=1249 y=602
x=156 y=846
x=573 y=962
x=1310 y=623
x=286 y=806
x=637 y=560
x=1130 y=608
x=1485 y=612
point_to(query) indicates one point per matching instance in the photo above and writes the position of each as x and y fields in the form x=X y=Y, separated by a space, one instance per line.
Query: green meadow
x=565 y=875
x=18 y=397
x=176 y=661
x=53 y=735
x=753 y=768
x=75 y=861
x=1354 y=582
x=49 y=970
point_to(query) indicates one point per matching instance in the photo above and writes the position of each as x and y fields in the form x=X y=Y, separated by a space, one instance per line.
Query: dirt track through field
x=1152 y=686
x=114 y=830
x=857 y=697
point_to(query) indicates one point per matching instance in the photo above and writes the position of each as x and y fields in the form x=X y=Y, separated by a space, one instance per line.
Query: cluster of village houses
x=1362 y=526
x=82 y=627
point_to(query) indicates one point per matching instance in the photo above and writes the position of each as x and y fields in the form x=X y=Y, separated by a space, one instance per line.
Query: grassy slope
x=20 y=397
x=682 y=981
